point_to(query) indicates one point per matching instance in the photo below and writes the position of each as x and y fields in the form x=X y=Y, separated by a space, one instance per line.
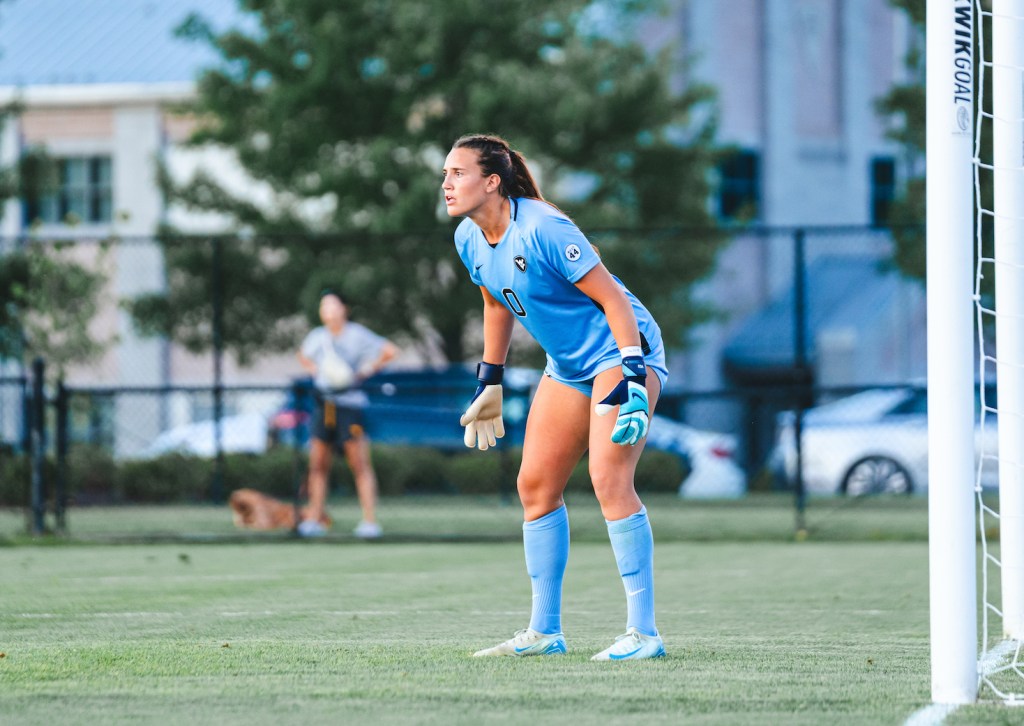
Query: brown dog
x=254 y=510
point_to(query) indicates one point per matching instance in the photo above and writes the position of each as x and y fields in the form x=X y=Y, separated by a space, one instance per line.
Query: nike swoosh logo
x=478 y=267
x=522 y=650
x=624 y=655
x=635 y=592
x=637 y=396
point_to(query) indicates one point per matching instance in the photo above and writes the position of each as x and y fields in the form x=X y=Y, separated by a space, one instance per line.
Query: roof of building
x=842 y=291
x=83 y=42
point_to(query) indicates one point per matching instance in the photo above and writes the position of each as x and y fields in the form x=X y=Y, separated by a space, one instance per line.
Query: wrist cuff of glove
x=490 y=374
x=634 y=368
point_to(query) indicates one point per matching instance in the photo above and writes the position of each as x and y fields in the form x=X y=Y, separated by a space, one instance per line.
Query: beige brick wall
x=40 y=126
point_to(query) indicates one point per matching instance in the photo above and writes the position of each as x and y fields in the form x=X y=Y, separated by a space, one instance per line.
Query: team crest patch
x=572 y=253
x=520 y=262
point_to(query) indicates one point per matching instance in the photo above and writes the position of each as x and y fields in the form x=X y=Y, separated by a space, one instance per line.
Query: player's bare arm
x=483 y=422
x=388 y=352
x=600 y=286
x=498 y=322
x=307 y=365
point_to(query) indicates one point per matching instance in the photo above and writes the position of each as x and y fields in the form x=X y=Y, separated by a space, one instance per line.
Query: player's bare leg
x=316 y=486
x=556 y=437
x=612 y=466
x=612 y=471
x=357 y=453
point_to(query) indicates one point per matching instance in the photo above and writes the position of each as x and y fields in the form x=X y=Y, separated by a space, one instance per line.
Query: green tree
x=904 y=106
x=344 y=112
x=47 y=301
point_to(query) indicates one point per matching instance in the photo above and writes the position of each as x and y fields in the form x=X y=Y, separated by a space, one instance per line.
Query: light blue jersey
x=357 y=345
x=533 y=271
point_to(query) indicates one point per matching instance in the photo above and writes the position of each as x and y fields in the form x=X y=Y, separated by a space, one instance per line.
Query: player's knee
x=608 y=480
x=535 y=491
x=527 y=489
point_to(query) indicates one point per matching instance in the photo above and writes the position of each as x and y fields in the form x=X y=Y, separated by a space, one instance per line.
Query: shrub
x=169 y=478
x=477 y=472
x=659 y=471
x=411 y=470
x=95 y=477
x=275 y=473
x=92 y=475
x=14 y=479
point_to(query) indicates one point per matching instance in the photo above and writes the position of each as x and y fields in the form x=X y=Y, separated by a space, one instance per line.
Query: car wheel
x=877 y=475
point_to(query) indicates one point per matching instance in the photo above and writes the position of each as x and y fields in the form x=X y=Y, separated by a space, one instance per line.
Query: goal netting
x=998 y=160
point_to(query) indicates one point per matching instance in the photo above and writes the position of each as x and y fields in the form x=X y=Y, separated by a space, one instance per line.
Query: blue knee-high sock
x=633 y=545
x=546 y=541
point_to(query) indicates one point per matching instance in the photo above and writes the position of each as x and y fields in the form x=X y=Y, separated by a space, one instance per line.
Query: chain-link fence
x=800 y=378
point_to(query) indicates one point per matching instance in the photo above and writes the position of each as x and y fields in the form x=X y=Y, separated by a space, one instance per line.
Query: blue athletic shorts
x=655 y=361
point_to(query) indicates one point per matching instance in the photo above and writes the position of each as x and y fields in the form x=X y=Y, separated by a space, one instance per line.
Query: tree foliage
x=904 y=106
x=343 y=112
x=47 y=302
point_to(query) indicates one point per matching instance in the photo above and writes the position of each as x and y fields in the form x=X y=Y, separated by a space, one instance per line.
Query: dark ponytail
x=497 y=157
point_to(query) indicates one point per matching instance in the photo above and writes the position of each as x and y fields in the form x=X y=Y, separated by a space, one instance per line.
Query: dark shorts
x=334 y=424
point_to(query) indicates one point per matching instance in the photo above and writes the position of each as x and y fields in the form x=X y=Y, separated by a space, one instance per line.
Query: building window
x=883 y=189
x=91 y=420
x=83 y=193
x=739 y=194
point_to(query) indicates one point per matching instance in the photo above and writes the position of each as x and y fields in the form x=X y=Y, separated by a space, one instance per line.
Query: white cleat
x=633 y=645
x=527 y=642
x=311 y=528
x=368 y=530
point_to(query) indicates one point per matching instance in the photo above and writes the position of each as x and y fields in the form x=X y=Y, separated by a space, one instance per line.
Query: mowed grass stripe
x=795 y=633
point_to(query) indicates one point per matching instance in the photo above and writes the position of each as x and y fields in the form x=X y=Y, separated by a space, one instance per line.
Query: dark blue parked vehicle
x=420 y=408
x=423 y=407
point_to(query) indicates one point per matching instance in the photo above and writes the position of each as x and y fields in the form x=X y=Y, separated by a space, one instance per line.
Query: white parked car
x=873 y=442
x=713 y=473
x=245 y=433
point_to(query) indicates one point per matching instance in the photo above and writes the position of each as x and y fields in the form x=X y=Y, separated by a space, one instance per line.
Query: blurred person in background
x=533 y=264
x=339 y=355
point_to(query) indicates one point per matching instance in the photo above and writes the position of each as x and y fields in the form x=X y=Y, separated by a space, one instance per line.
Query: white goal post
x=968 y=95
x=949 y=59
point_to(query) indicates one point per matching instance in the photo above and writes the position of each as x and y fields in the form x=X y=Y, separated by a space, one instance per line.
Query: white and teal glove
x=483 y=417
x=630 y=395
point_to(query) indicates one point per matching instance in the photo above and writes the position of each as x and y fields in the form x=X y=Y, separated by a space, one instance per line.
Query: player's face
x=465 y=186
x=332 y=311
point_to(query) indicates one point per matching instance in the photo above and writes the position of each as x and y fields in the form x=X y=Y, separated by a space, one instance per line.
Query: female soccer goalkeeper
x=533 y=264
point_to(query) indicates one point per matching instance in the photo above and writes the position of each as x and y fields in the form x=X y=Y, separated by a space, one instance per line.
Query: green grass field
x=760 y=629
x=756 y=518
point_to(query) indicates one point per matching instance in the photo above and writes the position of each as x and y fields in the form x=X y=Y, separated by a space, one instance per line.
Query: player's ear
x=493 y=183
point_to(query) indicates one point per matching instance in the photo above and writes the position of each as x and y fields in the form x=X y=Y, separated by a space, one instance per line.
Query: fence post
x=801 y=370
x=37 y=447
x=217 y=486
x=298 y=470
x=61 y=489
x=26 y=415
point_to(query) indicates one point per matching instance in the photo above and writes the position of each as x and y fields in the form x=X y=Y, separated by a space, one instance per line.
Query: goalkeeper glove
x=630 y=395
x=483 y=417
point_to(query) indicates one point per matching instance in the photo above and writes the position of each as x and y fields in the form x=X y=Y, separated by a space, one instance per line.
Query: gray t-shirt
x=357 y=345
